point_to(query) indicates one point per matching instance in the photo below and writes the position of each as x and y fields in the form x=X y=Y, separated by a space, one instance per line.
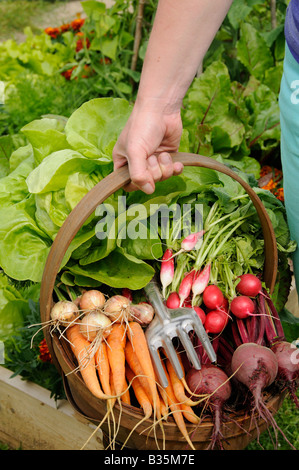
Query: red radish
x=213 y=381
x=173 y=300
x=167 y=270
x=201 y=280
x=127 y=293
x=213 y=297
x=185 y=286
x=287 y=356
x=256 y=367
x=249 y=285
x=200 y=312
x=216 y=321
x=190 y=242
x=242 y=306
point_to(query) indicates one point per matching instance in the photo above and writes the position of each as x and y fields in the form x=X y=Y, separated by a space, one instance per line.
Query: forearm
x=182 y=32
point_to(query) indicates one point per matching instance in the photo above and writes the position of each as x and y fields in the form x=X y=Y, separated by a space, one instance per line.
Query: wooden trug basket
x=235 y=438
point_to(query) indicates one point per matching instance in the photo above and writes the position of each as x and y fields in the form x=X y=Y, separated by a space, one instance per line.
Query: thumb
x=141 y=177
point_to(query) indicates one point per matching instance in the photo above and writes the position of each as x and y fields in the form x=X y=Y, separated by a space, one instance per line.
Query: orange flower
x=65 y=27
x=82 y=42
x=44 y=353
x=53 y=32
x=68 y=73
x=279 y=193
x=271 y=179
x=77 y=24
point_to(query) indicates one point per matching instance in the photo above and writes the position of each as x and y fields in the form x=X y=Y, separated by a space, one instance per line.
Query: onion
x=142 y=313
x=118 y=308
x=92 y=300
x=94 y=324
x=64 y=312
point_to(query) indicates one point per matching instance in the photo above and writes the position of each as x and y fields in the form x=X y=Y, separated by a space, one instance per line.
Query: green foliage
x=232 y=107
x=22 y=355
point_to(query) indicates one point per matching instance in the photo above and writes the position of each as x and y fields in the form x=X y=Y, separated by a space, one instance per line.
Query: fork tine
x=172 y=356
x=158 y=366
x=189 y=348
x=204 y=339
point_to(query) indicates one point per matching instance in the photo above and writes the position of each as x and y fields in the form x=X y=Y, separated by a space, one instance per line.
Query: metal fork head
x=169 y=324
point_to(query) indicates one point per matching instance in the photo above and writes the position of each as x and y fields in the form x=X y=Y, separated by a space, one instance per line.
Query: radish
x=201 y=280
x=256 y=367
x=242 y=306
x=185 y=286
x=200 y=312
x=127 y=293
x=190 y=242
x=173 y=300
x=213 y=297
x=216 y=321
x=167 y=270
x=287 y=356
x=214 y=382
x=249 y=285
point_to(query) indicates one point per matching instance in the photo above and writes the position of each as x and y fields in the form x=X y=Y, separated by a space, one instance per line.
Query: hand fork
x=168 y=324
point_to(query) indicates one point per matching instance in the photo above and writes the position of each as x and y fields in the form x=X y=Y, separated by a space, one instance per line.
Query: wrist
x=163 y=105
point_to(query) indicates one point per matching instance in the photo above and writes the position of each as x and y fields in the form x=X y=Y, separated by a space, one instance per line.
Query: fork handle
x=154 y=295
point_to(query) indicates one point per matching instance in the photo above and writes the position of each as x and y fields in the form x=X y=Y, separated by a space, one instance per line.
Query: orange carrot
x=177 y=385
x=139 y=392
x=125 y=398
x=134 y=364
x=116 y=354
x=189 y=413
x=138 y=340
x=103 y=367
x=176 y=409
x=81 y=349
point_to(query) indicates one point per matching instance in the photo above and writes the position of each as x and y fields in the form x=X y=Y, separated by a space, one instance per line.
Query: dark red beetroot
x=287 y=356
x=256 y=367
x=213 y=381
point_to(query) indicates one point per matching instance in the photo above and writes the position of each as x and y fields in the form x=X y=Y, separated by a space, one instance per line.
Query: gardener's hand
x=144 y=143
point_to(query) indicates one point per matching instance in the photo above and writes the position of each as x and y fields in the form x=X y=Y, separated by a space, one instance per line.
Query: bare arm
x=182 y=33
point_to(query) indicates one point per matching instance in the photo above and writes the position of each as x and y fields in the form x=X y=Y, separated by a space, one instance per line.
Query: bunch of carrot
x=122 y=370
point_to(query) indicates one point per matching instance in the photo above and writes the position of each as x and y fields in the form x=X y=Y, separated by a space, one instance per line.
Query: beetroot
x=213 y=381
x=287 y=356
x=256 y=367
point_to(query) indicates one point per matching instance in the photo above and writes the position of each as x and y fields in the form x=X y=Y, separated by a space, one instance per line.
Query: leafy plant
x=27 y=361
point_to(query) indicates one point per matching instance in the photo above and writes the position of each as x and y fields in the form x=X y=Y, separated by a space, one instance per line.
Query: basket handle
x=116 y=180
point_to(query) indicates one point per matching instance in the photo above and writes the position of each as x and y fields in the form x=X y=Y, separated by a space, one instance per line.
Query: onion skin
x=117 y=308
x=142 y=313
x=92 y=300
x=94 y=324
x=64 y=312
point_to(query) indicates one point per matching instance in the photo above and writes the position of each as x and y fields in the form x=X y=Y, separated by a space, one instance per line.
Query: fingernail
x=147 y=188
